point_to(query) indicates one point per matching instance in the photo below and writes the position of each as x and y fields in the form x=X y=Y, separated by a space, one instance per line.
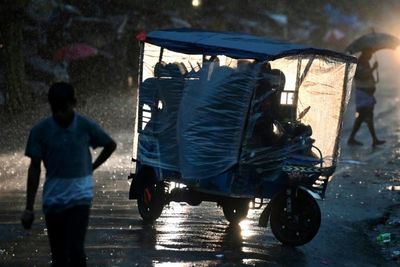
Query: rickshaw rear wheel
x=298 y=226
x=151 y=201
x=235 y=210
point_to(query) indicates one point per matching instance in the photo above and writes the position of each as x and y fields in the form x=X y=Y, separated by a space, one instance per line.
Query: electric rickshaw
x=239 y=120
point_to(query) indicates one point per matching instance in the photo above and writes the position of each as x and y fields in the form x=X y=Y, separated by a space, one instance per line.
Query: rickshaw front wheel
x=295 y=221
x=151 y=201
x=235 y=210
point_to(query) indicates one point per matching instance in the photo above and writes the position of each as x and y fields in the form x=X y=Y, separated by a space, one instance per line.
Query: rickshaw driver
x=270 y=84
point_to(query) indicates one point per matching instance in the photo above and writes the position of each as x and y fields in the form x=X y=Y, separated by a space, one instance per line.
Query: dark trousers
x=365 y=114
x=66 y=231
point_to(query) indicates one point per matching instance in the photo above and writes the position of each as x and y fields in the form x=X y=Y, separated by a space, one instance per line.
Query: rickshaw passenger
x=158 y=88
x=168 y=85
x=162 y=94
x=149 y=93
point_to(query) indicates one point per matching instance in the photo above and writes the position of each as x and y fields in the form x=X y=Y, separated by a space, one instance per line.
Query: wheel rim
x=301 y=225
x=146 y=196
x=296 y=224
x=151 y=202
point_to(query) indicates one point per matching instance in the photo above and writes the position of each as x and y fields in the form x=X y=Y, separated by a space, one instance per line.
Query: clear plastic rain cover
x=196 y=113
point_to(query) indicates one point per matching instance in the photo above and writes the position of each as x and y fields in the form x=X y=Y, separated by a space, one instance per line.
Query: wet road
x=200 y=236
x=192 y=236
x=182 y=236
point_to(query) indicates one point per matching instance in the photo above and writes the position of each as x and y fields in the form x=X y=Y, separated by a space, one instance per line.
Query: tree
x=11 y=26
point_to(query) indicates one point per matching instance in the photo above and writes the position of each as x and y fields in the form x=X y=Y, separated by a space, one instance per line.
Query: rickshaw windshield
x=315 y=94
x=196 y=112
x=318 y=92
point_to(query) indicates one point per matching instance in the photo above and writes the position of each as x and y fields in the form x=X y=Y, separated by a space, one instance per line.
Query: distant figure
x=365 y=100
x=62 y=142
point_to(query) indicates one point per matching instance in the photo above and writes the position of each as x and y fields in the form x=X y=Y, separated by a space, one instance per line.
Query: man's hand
x=27 y=219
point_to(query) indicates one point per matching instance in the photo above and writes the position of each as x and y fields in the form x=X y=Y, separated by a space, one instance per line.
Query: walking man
x=62 y=141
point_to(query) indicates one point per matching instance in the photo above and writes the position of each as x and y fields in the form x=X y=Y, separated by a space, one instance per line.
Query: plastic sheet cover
x=212 y=116
x=194 y=116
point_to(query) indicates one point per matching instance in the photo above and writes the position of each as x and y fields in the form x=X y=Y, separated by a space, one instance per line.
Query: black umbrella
x=373 y=41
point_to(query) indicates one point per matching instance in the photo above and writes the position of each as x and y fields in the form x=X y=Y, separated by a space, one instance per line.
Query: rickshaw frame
x=151 y=185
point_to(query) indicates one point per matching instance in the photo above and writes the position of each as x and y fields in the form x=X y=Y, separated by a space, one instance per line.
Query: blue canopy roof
x=235 y=45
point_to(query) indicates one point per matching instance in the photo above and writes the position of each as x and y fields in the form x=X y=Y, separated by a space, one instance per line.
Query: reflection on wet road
x=183 y=234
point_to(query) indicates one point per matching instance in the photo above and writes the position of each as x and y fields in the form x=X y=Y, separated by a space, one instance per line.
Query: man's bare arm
x=104 y=154
x=32 y=183
x=32 y=187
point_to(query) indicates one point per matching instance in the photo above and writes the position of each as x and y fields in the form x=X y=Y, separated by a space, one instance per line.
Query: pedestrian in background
x=62 y=141
x=365 y=99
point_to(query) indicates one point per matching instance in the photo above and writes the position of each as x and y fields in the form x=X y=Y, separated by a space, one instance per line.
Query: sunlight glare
x=245 y=227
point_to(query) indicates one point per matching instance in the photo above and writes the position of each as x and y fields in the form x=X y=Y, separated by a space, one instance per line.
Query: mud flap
x=133 y=190
x=264 y=217
x=312 y=193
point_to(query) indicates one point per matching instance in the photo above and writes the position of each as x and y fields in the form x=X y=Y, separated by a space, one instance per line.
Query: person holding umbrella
x=364 y=80
x=365 y=100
